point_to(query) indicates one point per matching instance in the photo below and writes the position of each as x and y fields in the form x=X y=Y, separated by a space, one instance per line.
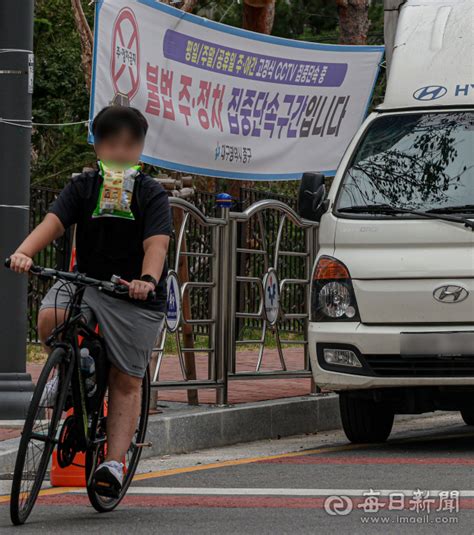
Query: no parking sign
x=125 y=57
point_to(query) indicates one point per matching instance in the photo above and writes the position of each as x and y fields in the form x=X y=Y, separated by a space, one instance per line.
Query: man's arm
x=48 y=230
x=155 y=249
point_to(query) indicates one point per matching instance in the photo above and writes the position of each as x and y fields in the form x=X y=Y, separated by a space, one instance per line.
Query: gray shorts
x=130 y=332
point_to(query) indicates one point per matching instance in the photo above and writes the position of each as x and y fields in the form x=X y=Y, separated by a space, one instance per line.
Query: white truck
x=392 y=306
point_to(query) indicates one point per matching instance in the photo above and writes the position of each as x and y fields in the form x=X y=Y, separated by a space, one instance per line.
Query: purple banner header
x=241 y=64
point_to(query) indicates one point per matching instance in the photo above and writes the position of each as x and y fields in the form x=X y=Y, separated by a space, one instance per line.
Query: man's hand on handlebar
x=20 y=263
x=137 y=289
x=140 y=289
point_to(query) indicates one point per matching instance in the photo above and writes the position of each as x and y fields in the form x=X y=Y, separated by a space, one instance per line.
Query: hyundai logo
x=430 y=92
x=450 y=294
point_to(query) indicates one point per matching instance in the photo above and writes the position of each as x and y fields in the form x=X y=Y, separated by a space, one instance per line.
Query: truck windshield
x=422 y=161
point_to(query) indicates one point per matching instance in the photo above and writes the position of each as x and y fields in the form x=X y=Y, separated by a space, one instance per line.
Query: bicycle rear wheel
x=39 y=434
x=96 y=454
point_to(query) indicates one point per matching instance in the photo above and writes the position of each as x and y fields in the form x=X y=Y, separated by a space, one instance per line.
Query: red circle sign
x=125 y=62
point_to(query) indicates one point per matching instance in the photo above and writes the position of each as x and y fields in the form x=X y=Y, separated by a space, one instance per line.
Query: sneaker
x=50 y=393
x=108 y=479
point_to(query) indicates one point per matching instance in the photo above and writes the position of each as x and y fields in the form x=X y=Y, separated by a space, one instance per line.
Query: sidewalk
x=258 y=410
x=239 y=391
x=243 y=391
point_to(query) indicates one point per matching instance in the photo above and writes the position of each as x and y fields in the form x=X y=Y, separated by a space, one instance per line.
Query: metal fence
x=194 y=319
x=249 y=277
x=291 y=267
x=270 y=275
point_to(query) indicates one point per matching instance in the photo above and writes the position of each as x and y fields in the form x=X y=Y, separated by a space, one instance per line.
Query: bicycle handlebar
x=120 y=288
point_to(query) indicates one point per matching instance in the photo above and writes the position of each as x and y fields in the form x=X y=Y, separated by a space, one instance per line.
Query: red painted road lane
x=225 y=502
x=359 y=460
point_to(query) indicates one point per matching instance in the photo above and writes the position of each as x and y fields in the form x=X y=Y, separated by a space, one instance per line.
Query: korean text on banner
x=226 y=102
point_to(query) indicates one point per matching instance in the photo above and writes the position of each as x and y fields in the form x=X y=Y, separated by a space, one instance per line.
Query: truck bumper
x=378 y=348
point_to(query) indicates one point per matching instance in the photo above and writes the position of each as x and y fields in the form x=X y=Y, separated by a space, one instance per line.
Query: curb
x=211 y=427
x=182 y=430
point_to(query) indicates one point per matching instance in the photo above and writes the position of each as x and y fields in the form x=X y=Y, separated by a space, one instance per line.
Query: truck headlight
x=333 y=295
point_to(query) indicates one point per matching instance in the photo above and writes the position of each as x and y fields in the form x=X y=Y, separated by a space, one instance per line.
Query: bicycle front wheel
x=96 y=454
x=39 y=434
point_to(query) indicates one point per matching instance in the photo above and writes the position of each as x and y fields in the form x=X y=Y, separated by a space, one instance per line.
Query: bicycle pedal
x=105 y=489
x=106 y=485
x=144 y=444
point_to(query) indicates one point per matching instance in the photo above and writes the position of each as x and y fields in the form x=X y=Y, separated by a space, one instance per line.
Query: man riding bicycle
x=123 y=225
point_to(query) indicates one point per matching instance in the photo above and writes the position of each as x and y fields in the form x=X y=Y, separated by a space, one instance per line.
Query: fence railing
x=273 y=269
x=207 y=248
x=239 y=289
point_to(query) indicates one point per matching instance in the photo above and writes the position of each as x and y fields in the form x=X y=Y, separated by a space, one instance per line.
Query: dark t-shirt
x=107 y=246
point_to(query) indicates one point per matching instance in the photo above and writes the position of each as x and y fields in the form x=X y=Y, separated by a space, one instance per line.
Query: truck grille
x=426 y=366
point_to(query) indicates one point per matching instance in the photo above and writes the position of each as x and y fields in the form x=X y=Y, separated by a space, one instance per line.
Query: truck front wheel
x=468 y=416
x=365 y=420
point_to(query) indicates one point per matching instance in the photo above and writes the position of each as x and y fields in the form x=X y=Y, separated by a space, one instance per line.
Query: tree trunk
x=87 y=40
x=259 y=15
x=353 y=21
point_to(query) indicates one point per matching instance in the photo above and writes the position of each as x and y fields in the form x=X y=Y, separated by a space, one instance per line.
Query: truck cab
x=392 y=301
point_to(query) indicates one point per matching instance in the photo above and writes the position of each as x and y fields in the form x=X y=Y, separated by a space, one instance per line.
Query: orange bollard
x=71 y=476
x=75 y=474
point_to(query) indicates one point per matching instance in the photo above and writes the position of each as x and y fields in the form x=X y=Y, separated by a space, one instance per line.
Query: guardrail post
x=224 y=200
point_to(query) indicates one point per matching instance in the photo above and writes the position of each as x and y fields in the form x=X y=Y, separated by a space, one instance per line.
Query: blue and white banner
x=225 y=102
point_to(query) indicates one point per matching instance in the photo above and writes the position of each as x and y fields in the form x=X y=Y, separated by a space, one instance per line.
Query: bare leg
x=47 y=323
x=123 y=413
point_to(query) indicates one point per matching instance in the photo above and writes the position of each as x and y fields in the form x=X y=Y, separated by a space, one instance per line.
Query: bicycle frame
x=67 y=335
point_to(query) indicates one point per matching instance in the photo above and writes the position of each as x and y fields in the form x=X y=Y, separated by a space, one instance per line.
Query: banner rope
x=28 y=123
x=15 y=206
x=7 y=50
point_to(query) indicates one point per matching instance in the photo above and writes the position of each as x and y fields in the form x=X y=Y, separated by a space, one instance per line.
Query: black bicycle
x=65 y=413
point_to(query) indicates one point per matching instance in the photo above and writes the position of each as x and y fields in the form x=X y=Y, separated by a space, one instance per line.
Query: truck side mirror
x=312 y=202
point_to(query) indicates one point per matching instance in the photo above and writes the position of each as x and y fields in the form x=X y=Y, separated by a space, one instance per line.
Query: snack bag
x=116 y=191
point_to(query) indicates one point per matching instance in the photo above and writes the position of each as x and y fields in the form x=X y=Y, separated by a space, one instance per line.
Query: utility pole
x=16 y=88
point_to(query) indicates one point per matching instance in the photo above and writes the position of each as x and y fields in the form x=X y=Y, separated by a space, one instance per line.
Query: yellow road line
x=45 y=492
x=237 y=462
x=329 y=449
x=250 y=460
x=221 y=464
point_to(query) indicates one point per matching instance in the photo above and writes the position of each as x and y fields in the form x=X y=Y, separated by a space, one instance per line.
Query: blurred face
x=121 y=149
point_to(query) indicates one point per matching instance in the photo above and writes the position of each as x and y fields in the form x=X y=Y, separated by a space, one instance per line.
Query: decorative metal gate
x=264 y=297
x=197 y=257
x=214 y=258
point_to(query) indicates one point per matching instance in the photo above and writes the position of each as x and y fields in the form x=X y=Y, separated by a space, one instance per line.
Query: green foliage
x=60 y=94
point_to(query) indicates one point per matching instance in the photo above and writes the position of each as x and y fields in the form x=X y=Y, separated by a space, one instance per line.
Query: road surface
x=421 y=481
